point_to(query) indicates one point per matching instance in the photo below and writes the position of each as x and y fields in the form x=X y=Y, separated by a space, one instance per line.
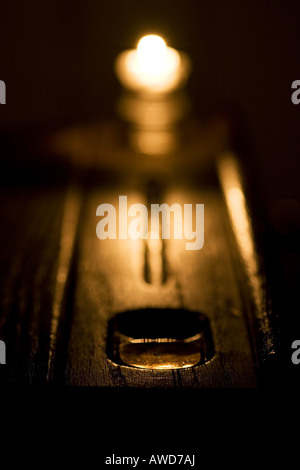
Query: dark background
x=57 y=62
x=56 y=58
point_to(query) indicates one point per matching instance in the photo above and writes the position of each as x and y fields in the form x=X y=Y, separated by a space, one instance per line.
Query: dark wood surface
x=60 y=286
x=110 y=280
x=52 y=273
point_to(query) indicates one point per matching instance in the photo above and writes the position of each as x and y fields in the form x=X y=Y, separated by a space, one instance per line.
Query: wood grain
x=55 y=307
x=110 y=280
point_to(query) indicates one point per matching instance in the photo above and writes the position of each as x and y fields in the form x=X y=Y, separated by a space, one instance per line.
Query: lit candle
x=152 y=67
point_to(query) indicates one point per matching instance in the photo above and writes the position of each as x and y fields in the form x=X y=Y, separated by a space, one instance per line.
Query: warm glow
x=161 y=353
x=232 y=187
x=152 y=55
x=151 y=142
x=152 y=66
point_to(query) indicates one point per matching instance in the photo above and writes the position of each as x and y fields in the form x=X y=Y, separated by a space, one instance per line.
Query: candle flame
x=152 y=67
x=152 y=55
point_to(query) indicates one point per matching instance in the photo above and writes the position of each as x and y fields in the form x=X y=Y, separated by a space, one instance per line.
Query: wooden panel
x=60 y=286
x=110 y=279
x=29 y=250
